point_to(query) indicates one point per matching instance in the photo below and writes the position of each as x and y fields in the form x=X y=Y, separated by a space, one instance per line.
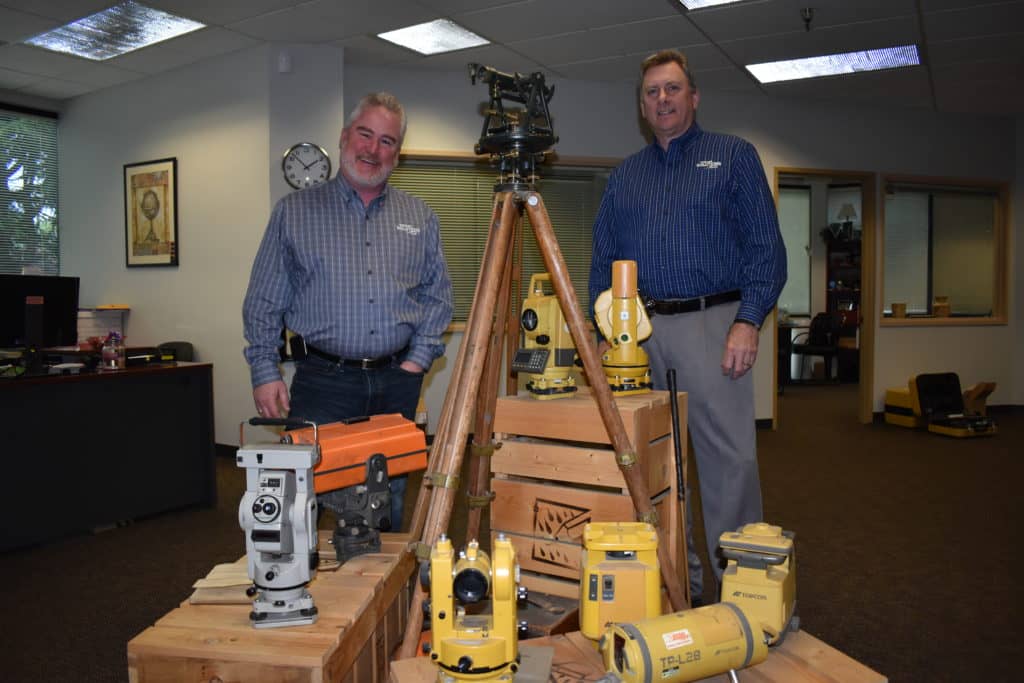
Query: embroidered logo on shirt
x=707 y=163
x=405 y=227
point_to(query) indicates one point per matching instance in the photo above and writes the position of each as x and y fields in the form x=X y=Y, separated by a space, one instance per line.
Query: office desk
x=90 y=450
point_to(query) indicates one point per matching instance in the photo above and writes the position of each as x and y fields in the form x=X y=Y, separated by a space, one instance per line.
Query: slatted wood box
x=363 y=607
x=556 y=471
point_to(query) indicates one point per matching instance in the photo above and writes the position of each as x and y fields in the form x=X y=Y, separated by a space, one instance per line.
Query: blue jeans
x=325 y=392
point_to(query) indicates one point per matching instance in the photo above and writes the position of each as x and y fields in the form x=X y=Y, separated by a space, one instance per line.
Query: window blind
x=462 y=195
x=29 y=234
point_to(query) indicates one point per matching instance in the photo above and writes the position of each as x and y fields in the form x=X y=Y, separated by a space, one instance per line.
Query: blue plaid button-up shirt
x=354 y=281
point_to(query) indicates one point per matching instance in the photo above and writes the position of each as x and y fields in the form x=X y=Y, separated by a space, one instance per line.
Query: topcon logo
x=411 y=229
x=749 y=596
x=707 y=163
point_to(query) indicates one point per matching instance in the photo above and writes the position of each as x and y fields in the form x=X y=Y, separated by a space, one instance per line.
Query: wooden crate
x=363 y=607
x=556 y=471
x=801 y=658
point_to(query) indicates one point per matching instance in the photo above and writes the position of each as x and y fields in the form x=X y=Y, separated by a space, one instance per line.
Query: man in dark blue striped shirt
x=356 y=267
x=694 y=210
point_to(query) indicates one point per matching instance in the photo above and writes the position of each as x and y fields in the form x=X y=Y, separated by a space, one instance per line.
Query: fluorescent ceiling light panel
x=701 y=4
x=832 y=65
x=122 y=28
x=434 y=37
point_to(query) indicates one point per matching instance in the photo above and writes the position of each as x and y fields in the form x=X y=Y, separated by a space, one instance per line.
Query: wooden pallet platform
x=556 y=471
x=363 y=607
x=801 y=658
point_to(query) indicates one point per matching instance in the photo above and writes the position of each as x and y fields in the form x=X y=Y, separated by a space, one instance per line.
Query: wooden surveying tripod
x=474 y=382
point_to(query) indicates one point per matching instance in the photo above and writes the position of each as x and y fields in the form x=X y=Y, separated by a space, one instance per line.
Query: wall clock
x=306 y=165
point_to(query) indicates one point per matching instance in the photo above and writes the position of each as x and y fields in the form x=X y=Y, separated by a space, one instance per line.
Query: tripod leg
x=483 y=429
x=462 y=397
x=624 y=452
x=444 y=423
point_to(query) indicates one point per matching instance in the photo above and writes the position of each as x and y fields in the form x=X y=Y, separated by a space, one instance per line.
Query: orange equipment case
x=346 y=446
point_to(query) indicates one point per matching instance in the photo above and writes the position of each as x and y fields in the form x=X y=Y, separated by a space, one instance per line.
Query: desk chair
x=822 y=339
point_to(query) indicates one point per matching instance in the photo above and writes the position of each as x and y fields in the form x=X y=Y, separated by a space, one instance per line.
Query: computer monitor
x=42 y=306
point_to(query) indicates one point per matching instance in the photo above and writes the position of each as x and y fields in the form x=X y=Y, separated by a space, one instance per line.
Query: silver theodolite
x=279 y=515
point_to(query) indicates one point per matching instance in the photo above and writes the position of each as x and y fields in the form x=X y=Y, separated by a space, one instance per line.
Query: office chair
x=182 y=350
x=822 y=339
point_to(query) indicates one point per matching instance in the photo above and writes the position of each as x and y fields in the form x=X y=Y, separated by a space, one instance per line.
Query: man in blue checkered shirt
x=694 y=210
x=356 y=268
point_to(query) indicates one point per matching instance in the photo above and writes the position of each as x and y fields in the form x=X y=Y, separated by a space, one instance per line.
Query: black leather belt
x=674 y=306
x=363 y=363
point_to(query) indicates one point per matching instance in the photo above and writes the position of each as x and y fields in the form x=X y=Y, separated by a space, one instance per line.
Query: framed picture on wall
x=151 y=213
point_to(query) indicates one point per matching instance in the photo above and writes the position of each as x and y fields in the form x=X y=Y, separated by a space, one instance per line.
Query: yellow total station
x=758 y=608
x=621 y=576
x=620 y=315
x=474 y=647
x=548 y=354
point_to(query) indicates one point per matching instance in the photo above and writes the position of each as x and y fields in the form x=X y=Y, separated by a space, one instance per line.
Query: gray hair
x=379 y=99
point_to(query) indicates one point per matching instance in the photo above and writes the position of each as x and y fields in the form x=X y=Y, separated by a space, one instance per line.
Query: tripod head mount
x=516 y=139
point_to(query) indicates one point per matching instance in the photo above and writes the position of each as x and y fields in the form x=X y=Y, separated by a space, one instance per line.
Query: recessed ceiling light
x=700 y=4
x=832 y=65
x=433 y=37
x=122 y=28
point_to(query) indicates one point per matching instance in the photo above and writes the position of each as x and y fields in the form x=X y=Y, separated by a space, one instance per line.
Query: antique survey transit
x=620 y=315
x=516 y=141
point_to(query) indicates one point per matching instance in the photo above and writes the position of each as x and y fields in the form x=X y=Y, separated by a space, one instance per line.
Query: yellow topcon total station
x=620 y=315
x=757 y=609
x=548 y=354
x=621 y=575
x=479 y=647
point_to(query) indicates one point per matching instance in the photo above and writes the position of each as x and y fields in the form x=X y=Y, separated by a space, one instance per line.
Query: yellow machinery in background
x=474 y=647
x=621 y=317
x=758 y=608
x=621 y=576
x=548 y=354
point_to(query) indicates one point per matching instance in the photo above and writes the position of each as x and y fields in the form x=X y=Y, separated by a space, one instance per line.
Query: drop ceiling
x=972 y=50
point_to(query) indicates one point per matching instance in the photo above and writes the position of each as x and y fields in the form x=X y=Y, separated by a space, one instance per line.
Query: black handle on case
x=278 y=422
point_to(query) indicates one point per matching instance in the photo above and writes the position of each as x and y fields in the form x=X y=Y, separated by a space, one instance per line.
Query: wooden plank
x=529 y=457
x=157 y=669
x=572 y=419
x=802 y=658
x=259 y=646
x=550 y=511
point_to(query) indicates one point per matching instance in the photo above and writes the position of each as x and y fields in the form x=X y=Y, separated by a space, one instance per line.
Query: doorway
x=828 y=222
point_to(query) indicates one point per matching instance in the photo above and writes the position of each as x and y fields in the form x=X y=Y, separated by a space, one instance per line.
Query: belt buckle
x=703 y=302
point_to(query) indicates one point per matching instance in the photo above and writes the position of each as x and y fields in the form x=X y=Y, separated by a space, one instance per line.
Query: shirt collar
x=349 y=194
x=678 y=145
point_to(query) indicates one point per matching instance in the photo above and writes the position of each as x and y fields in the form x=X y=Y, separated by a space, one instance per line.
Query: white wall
x=228 y=119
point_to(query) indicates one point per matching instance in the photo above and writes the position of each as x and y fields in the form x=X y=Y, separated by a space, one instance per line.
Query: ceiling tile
x=496 y=56
x=34 y=60
x=452 y=7
x=979 y=97
x=1010 y=46
x=186 y=49
x=643 y=36
x=56 y=89
x=897 y=87
x=15 y=79
x=221 y=12
x=729 y=78
x=989 y=20
x=322 y=21
x=825 y=41
x=17 y=26
x=537 y=18
x=750 y=19
x=61 y=10
x=939 y=5
x=372 y=51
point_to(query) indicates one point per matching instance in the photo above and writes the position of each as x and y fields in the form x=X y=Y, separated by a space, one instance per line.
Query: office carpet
x=908 y=552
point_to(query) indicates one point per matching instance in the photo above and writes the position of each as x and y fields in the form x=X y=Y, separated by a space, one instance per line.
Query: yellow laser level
x=620 y=315
x=684 y=646
x=548 y=353
x=621 y=576
x=760 y=576
x=478 y=647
